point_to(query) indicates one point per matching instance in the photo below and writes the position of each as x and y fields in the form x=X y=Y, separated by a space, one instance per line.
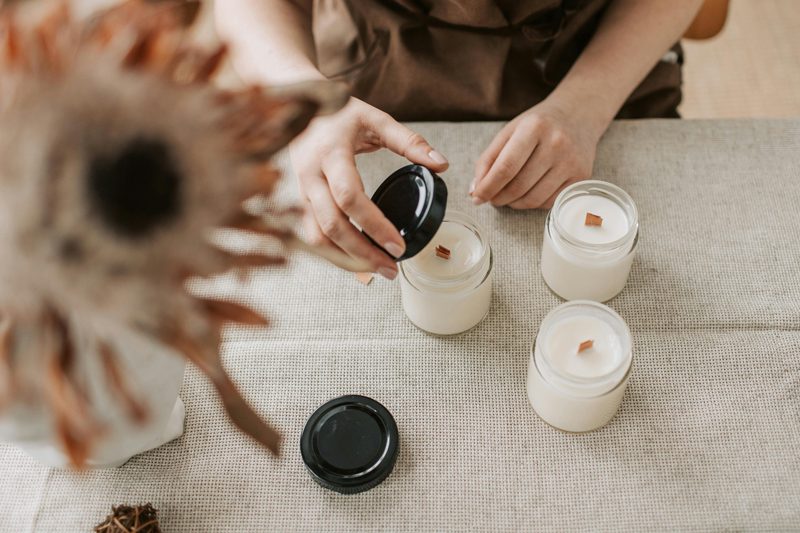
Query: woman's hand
x=324 y=160
x=536 y=155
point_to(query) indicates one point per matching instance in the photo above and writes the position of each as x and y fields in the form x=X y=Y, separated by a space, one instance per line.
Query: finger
x=312 y=232
x=548 y=204
x=338 y=229
x=532 y=172
x=489 y=155
x=507 y=165
x=347 y=190
x=402 y=141
x=547 y=189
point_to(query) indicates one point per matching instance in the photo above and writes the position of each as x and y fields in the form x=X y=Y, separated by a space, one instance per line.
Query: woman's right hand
x=324 y=161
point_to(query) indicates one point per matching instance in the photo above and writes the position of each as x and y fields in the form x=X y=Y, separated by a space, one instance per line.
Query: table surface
x=707 y=436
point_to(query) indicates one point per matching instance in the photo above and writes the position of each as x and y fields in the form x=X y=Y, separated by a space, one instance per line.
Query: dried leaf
x=74 y=427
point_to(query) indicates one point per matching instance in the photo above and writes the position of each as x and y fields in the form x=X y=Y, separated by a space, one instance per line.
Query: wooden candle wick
x=585 y=345
x=593 y=220
x=442 y=252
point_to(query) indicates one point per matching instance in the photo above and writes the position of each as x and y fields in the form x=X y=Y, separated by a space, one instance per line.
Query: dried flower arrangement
x=117 y=157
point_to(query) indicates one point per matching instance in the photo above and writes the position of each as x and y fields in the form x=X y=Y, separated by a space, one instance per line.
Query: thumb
x=409 y=144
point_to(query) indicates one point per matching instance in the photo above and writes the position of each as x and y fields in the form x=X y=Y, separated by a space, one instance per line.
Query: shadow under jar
x=582 y=261
x=452 y=295
x=579 y=366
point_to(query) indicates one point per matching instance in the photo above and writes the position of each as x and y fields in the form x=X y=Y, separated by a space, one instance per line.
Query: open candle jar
x=446 y=272
x=579 y=366
x=449 y=295
x=590 y=239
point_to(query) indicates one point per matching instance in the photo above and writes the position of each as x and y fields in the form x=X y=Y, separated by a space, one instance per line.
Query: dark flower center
x=136 y=189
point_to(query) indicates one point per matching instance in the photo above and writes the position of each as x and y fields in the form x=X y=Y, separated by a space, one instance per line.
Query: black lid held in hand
x=414 y=199
x=350 y=444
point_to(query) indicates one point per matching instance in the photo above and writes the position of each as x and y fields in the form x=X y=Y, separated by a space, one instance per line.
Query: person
x=559 y=70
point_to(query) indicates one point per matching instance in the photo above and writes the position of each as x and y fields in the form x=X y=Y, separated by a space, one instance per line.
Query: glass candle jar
x=449 y=296
x=579 y=366
x=585 y=258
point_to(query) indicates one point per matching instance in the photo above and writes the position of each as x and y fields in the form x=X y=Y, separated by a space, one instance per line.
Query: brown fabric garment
x=469 y=60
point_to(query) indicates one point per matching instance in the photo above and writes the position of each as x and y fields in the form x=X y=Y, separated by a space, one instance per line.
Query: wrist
x=589 y=107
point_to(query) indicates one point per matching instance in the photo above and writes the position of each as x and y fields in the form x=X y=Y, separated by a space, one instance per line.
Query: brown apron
x=469 y=60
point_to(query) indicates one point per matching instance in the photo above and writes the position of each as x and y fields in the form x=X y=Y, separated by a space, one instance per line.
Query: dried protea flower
x=117 y=158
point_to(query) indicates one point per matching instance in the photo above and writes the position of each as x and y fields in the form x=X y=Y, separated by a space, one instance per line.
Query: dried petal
x=7 y=384
x=225 y=311
x=210 y=66
x=206 y=358
x=135 y=408
x=74 y=426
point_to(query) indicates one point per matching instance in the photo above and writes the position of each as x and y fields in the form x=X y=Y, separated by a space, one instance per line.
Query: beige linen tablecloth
x=708 y=436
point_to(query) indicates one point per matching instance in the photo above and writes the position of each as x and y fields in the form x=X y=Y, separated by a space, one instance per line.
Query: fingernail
x=395 y=249
x=471 y=188
x=437 y=158
x=477 y=200
x=387 y=273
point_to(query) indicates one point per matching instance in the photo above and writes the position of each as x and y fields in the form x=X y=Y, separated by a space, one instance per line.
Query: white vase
x=154 y=376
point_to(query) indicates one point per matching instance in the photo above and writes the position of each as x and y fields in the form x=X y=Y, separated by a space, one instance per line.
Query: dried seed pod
x=130 y=519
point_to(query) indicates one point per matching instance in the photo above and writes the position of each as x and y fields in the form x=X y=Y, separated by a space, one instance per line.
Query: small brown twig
x=442 y=252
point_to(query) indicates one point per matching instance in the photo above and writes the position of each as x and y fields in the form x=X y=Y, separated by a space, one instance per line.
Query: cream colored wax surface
x=565 y=337
x=465 y=252
x=572 y=219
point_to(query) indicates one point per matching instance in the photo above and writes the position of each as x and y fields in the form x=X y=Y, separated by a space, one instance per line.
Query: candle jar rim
x=614 y=376
x=407 y=267
x=607 y=190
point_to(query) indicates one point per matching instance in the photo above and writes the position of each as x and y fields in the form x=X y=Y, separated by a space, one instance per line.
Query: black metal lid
x=414 y=199
x=350 y=444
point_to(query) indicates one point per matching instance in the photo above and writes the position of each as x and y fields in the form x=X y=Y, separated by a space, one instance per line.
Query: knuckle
x=346 y=197
x=502 y=168
x=332 y=228
x=414 y=139
x=559 y=139
x=534 y=124
x=317 y=239
x=515 y=190
x=381 y=119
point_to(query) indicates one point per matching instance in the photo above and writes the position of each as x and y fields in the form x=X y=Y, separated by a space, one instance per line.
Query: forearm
x=633 y=35
x=271 y=40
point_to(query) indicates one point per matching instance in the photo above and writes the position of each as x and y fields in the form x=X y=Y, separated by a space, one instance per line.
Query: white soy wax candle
x=590 y=239
x=449 y=295
x=579 y=366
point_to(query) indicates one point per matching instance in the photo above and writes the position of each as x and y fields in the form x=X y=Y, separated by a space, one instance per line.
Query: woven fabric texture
x=707 y=436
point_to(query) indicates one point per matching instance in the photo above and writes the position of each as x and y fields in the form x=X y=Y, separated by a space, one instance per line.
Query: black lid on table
x=414 y=199
x=350 y=444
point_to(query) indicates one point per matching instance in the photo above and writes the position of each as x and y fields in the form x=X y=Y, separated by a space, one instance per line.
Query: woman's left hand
x=536 y=155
